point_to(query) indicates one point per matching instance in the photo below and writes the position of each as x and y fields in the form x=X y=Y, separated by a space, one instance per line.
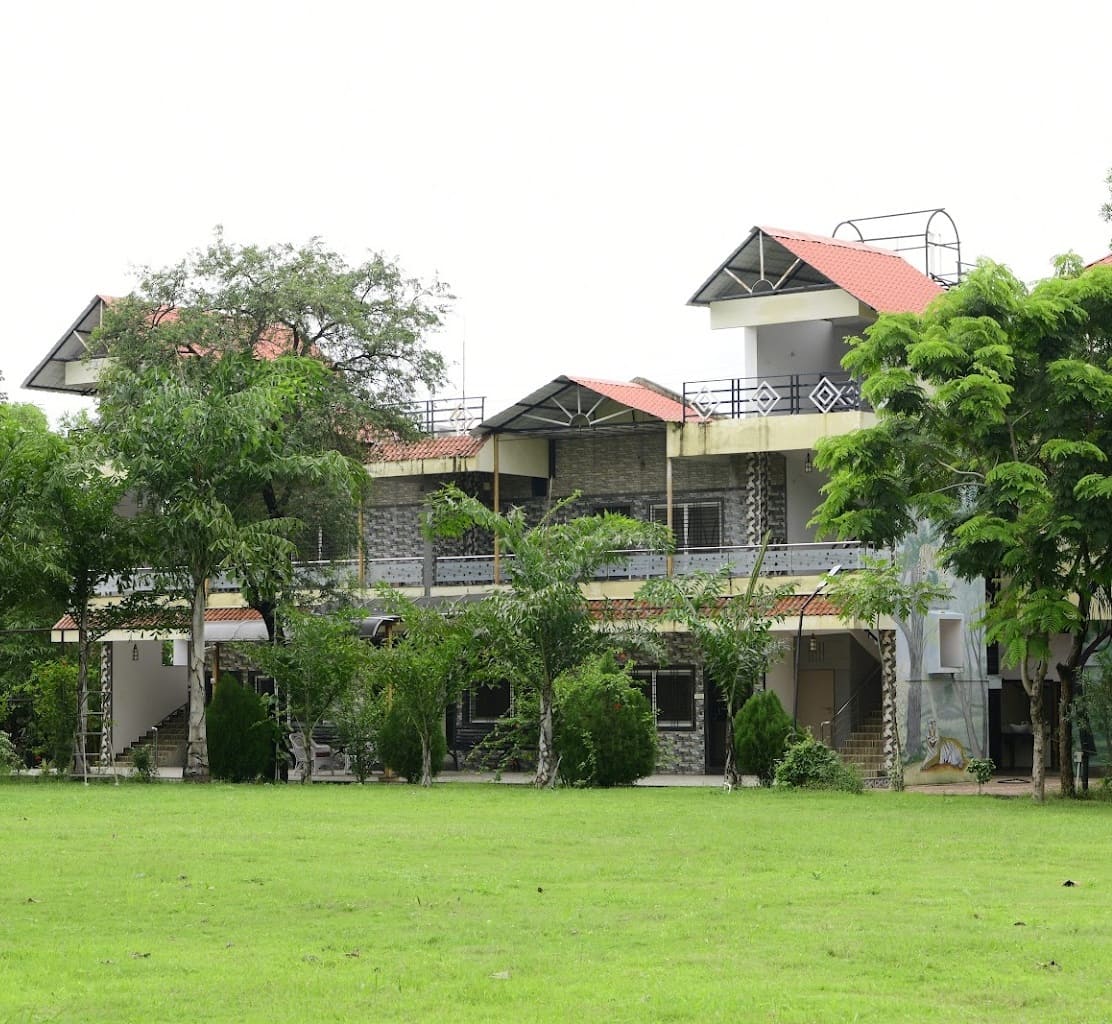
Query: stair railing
x=831 y=731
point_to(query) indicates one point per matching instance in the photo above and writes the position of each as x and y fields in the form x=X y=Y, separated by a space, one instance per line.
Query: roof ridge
x=845 y=243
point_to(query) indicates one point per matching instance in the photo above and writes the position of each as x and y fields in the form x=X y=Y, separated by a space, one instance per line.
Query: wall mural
x=943 y=715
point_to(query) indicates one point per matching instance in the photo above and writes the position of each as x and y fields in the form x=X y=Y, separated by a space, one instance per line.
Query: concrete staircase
x=865 y=748
x=172 y=736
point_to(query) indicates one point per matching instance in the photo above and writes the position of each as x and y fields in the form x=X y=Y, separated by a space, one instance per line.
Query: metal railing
x=782 y=395
x=440 y=416
x=463 y=570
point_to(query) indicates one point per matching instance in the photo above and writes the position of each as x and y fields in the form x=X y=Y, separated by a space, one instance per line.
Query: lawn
x=496 y=903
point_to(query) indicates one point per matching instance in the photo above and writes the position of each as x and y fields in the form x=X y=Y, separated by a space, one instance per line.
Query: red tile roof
x=631 y=608
x=67 y=622
x=452 y=446
x=635 y=396
x=1105 y=261
x=878 y=277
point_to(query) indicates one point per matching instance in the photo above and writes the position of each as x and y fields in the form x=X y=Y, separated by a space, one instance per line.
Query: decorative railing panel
x=784 y=395
x=440 y=416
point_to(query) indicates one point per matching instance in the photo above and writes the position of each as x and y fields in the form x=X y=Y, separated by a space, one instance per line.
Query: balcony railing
x=638 y=564
x=478 y=570
x=439 y=416
x=784 y=395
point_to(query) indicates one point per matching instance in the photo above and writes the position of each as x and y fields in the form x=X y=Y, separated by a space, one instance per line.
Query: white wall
x=143 y=692
x=798 y=348
x=803 y=497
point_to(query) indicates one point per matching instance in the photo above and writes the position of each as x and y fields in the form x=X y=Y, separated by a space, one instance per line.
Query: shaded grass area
x=493 y=903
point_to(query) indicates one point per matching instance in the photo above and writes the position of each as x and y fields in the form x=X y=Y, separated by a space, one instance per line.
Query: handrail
x=826 y=729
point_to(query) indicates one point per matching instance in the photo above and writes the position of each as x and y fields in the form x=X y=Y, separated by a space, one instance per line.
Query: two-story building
x=725 y=458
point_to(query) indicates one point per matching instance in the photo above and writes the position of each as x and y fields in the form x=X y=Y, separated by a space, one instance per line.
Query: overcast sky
x=574 y=171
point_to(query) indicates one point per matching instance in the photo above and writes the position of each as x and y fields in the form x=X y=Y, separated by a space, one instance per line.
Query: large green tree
x=197 y=440
x=545 y=625
x=994 y=425
x=734 y=632
x=367 y=324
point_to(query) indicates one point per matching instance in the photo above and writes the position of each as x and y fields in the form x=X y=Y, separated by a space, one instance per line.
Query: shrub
x=241 y=734
x=981 y=768
x=761 y=730
x=358 y=718
x=9 y=757
x=399 y=745
x=52 y=687
x=809 y=764
x=604 y=729
x=142 y=763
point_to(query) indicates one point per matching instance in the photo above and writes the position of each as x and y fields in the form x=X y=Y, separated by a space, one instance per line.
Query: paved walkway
x=1001 y=785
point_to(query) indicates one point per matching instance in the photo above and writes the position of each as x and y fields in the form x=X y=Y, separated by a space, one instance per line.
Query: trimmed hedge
x=761 y=731
x=242 y=737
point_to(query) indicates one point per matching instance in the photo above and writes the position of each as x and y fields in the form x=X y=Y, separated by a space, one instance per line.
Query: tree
x=761 y=731
x=90 y=542
x=197 y=440
x=994 y=426
x=367 y=325
x=423 y=667
x=733 y=632
x=316 y=661
x=879 y=590
x=544 y=625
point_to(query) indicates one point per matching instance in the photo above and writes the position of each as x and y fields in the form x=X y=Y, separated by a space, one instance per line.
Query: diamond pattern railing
x=784 y=395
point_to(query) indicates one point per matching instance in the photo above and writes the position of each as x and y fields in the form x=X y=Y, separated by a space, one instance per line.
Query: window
x=694 y=524
x=671 y=692
x=489 y=703
x=614 y=510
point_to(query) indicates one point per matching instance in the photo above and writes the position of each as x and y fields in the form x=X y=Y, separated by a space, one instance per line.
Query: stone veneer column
x=756 y=497
x=105 y=704
x=893 y=759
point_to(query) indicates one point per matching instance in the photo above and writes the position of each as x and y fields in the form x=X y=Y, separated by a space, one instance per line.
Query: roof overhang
x=66 y=367
x=576 y=403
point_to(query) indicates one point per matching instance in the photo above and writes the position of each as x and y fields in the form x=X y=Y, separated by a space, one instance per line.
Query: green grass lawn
x=495 y=903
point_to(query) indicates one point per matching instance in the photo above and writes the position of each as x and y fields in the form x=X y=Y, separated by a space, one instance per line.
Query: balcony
x=785 y=395
x=780 y=560
x=478 y=570
x=437 y=417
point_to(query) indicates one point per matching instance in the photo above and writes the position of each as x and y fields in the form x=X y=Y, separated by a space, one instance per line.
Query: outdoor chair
x=325 y=759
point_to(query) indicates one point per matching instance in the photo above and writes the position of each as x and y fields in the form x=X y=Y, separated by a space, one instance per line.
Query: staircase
x=172 y=733
x=865 y=748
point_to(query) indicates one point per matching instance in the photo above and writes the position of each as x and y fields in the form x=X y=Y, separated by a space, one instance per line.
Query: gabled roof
x=569 y=402
x=1105 y=261
x=50 y=374
x=72 y=347
x=775 y=260
x=450 y=446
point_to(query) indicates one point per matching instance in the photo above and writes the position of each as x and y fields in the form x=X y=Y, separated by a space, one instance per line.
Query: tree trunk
x=729 y=769
x=310 y=757
x=1034 y=688
x=1065 y=730
x=1038 y=745
x=546 y=752
x=426 y=759
x=79 y=755
x=893 y=757
x=196 y=757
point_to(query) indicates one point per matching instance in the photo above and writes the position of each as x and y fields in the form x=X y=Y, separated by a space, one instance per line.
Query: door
x=815 y=701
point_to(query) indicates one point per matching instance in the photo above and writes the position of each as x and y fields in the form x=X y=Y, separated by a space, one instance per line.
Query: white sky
x=573 y=170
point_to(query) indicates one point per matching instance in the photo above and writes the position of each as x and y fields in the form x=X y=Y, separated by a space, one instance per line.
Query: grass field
x=496 y=903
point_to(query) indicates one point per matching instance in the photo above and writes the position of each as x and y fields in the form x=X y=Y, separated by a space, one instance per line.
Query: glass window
x=490 y=703
x=671 y=692
x=694 y=524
